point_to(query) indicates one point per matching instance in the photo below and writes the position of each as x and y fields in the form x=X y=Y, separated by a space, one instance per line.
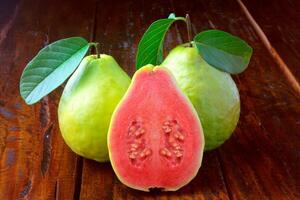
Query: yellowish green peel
x=212 y=92
x=87 y=103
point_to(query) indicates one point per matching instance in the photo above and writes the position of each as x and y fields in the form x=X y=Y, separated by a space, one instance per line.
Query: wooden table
x=260 y=161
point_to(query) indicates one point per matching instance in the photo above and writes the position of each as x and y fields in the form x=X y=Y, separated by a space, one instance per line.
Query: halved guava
x=155 y=138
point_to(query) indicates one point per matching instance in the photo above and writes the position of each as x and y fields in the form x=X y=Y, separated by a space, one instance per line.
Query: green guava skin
x=87 y=103
x=212 y=92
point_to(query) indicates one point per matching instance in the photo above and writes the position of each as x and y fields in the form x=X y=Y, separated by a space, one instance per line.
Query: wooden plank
x=35 y=162
x=293 y=82
x=280 y=22
x=261 y=160
x=119 y=36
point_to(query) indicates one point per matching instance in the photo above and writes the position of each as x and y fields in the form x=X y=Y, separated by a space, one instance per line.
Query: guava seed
x=165 y=152
x=132 y=156
x=167 y=123
x=167 y=129
x=134 y=145
x=146 y=152
x=139 y=132
x=178 y=155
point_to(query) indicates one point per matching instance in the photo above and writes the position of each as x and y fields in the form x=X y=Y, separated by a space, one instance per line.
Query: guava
x=212 y=92
x=87 y=103
x=155 y=138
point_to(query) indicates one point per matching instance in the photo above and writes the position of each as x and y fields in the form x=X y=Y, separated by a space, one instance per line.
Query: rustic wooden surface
x=280 y=21
x=260 y=161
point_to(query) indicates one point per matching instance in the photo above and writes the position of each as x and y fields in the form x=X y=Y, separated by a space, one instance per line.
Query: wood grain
x=280 y=22
x=35 y=162
x=260 y=161
x=293 y=82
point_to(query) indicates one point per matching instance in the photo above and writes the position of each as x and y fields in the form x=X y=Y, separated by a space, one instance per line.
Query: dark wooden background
x=260 y=161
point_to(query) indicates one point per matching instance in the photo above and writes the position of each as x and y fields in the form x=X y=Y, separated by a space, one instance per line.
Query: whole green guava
x=212 y=92
x=87 y=103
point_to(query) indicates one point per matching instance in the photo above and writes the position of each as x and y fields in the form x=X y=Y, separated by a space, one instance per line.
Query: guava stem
x=95 y=44
x=97 y=52
x=189 y=28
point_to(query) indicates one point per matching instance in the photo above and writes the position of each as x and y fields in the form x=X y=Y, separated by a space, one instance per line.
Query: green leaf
x=223 y=50
x=150 y=49
x=51 y=67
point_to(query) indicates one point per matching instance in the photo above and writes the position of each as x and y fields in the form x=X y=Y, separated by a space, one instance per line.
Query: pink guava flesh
x=155 y=138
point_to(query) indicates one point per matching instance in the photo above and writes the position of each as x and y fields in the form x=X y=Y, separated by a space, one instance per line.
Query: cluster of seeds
x=172 y=147
x=137 y=144
x=174 y=137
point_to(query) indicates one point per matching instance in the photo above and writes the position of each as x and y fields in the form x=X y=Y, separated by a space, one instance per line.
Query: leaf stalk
x=189 y=28
x=95 y=44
